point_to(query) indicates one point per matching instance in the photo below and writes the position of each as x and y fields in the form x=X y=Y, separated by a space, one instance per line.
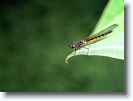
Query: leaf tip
x=66 y=61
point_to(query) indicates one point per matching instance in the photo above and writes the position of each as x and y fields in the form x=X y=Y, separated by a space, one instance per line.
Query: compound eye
x=72 y=45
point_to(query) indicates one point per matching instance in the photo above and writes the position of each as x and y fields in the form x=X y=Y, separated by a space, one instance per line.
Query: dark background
x=34 y=39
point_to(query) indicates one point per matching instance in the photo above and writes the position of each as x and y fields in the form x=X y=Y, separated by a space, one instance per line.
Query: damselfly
x=94 y=38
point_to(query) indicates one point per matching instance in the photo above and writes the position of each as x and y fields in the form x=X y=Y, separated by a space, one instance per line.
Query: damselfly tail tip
x=115 y=24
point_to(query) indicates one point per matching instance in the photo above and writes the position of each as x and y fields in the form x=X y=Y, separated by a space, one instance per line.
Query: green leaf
x=112 y=46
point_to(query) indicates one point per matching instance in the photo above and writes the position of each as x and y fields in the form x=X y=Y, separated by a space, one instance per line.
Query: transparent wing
x=104 y=31
x=110 y=28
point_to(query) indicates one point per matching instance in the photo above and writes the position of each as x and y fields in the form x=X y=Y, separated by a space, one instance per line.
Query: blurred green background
x=34 y=40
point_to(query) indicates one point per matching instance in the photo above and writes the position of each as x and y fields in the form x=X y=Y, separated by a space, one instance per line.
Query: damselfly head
x=72 y=45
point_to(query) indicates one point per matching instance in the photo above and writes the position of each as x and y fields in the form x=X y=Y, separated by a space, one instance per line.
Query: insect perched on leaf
x=94 y=38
